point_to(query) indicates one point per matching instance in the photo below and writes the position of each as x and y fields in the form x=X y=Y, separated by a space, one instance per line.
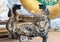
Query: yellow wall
x=32 y=6
x=55 y=10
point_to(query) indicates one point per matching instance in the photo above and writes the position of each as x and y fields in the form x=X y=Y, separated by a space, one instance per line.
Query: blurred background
x=55 y=22
x=5 y=4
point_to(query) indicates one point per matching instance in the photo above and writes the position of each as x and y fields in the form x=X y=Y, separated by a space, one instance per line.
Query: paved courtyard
x=53 y=37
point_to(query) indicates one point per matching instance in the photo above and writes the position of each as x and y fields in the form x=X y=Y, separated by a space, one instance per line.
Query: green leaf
x=48 y=2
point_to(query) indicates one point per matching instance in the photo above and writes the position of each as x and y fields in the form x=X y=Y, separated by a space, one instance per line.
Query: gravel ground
x=53 y=37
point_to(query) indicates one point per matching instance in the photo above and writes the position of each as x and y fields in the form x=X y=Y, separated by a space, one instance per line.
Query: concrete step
x=3 y=31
